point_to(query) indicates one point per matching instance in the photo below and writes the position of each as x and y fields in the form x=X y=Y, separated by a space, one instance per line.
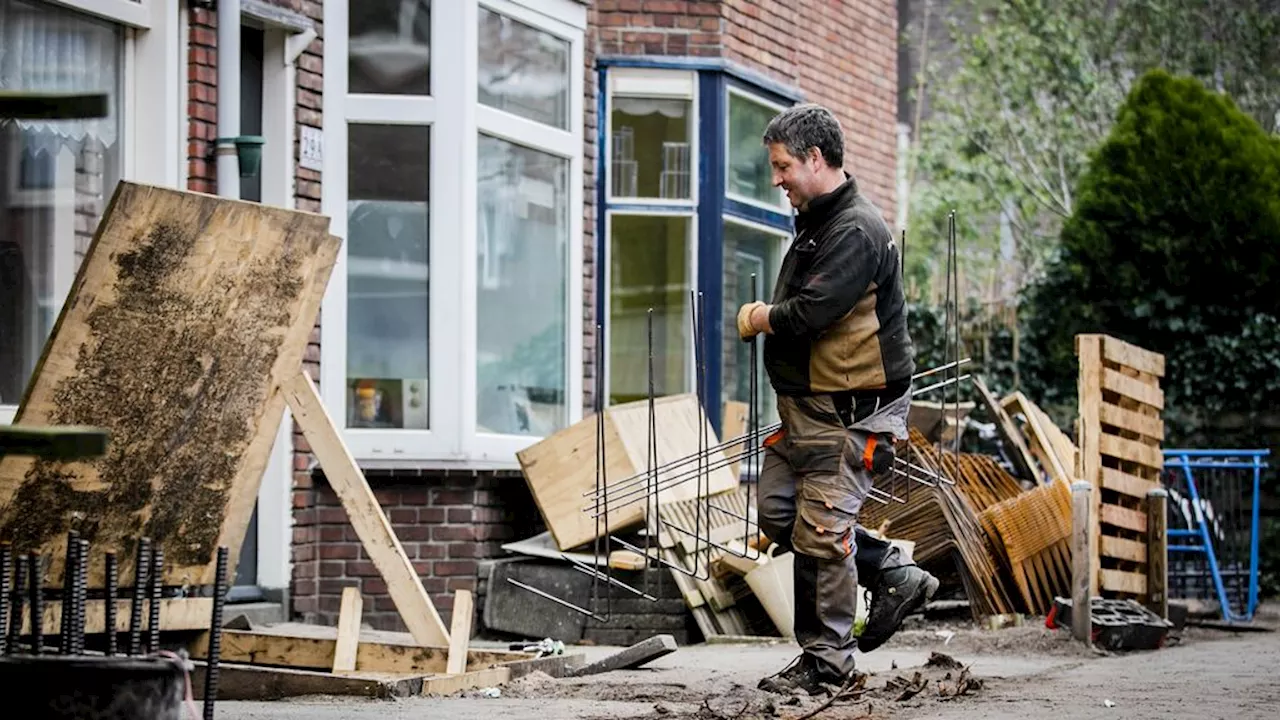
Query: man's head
x=806 y=151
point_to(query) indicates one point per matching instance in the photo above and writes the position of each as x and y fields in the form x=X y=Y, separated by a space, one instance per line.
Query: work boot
x=901 y=591
x=802 y=674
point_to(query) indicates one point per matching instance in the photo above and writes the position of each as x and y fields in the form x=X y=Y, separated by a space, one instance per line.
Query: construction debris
x=633 y=657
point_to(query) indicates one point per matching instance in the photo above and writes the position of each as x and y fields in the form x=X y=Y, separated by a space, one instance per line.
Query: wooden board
x=561 y=469
x=1120 y=434
x=315 y=651
x=175 y=614
x=365 y=513
x=186 y=313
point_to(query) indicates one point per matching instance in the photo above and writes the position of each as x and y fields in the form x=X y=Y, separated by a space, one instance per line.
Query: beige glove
x=745 y=329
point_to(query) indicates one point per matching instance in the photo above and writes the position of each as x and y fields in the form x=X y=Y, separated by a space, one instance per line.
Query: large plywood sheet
x=185 y=316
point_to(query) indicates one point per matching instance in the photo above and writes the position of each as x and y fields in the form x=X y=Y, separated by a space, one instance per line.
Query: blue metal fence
x=1214 y=518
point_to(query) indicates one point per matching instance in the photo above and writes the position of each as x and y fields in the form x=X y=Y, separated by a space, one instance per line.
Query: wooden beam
x=175 y=614
x=315 y=651
x=1129 y=355
x=449 y=684
x=370 y=523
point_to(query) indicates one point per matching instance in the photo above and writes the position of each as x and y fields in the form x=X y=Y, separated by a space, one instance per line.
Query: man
x=840 y=360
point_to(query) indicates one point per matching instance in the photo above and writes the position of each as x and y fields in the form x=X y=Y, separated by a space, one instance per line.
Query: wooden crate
x=561 y=469
x=1119 y=436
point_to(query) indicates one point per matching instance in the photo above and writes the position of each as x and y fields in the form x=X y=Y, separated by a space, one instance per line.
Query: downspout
x=228 y=98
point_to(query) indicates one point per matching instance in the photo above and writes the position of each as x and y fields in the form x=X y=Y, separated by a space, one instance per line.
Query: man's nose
x=777 y=178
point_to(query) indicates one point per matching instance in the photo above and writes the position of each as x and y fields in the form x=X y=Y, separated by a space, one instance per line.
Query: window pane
x=749 y=174
x=390 y=47
x=747 y=250
x=649 y=267
x=523 y=70
x=387 y=276
x=522 y=313
x=56 y=177
x=650 y=148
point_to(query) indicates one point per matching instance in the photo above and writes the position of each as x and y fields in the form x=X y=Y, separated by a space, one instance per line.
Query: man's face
x=798 y=176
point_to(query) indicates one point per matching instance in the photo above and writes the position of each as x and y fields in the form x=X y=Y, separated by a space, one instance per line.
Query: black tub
x=90 y=688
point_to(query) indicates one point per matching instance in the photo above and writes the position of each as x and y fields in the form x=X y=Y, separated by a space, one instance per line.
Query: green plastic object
x=249 y=151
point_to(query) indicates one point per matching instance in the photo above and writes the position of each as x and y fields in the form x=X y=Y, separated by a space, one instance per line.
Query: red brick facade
x=841 y=54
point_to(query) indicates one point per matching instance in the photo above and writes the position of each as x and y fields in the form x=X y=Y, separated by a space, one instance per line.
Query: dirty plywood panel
x=186 y=313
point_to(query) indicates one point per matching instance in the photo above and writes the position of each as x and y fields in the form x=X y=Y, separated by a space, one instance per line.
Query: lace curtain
x=49 y=49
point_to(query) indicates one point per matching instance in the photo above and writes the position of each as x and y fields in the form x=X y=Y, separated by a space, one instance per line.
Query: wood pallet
x=943 y=521
x=1120 y=433
x=1034 y=529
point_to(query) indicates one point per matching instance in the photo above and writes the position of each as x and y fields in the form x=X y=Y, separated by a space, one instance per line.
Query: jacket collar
x=824 y=206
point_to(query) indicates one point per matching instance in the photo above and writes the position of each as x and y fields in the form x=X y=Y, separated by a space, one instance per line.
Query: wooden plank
x=1124 y=582
x=175 y=614
x=349 y=616
x=1122 y=482
x=316 y=651
x=1121 y=549
x=1009 y=433
x=459 y=632
x=449 y=684
x=1124 y=518
x=1089 y=440
x=733 y=423
x=370 y=523
x=1132 y=388
x=1145 y=425
x=238 y=681
x=186 y=313
x=1123 y=353
x=1131 y=450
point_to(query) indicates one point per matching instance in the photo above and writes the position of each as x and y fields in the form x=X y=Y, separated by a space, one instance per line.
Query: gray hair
x=804 y=126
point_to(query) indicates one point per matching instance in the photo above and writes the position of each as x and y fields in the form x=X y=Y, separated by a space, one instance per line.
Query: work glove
x=745 y=329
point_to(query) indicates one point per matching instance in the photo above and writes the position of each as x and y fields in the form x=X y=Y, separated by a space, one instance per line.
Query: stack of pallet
x=943 y=522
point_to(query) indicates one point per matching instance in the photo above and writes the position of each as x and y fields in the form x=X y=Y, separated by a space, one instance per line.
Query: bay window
x=667 y=229
x=57 y=176
x=451 y=330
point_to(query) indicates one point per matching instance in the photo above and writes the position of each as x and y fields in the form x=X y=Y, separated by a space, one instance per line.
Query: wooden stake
x=344 y=654
x=1082 y=558
x=459 y=632
x=1157 y=552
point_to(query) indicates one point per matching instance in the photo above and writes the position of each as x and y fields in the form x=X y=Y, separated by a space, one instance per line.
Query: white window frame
x=653 y=83
x=452 y=440
x=153 y=70
x=782 y=208
x=606 y=265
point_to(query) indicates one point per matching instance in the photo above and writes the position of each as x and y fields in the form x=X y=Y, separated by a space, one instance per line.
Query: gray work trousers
x=812 y=486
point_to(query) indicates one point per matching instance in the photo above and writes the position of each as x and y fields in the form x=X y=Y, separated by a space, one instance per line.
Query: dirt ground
x=964 y=673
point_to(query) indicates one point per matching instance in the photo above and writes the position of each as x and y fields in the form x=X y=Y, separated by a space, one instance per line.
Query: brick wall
x=202 y=99
x=447 y=524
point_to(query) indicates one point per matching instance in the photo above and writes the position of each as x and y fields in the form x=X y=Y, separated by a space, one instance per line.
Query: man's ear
x=814 y=155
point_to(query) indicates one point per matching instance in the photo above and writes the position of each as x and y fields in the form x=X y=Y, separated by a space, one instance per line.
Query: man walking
x=839 y=358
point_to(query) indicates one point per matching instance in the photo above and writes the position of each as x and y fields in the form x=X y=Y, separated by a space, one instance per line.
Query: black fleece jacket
x=839 y=315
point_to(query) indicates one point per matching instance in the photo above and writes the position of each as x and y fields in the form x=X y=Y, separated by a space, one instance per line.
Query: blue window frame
x=721 y=204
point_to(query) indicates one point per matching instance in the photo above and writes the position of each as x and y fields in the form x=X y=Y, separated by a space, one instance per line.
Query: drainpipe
x=228 y=98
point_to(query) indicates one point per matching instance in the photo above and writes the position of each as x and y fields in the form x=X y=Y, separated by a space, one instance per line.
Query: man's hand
x=753 y=318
